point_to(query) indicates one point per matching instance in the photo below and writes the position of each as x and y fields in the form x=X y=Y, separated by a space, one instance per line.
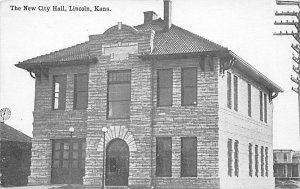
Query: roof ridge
x=57 y=51
x=198 y=36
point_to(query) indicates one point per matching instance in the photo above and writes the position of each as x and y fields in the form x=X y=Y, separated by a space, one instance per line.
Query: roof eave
x=184 y=55
x=249 y=70
x=30 y=65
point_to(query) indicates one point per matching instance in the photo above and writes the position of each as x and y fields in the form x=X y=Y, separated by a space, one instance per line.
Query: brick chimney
x=168 y=13
x=149 y=16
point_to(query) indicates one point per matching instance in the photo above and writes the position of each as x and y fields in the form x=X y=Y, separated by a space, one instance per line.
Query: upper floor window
x=119 y=95
x=261 y=115
x=164 y=156
x=189 y=86
x=235 y=94
x=249 y=101
x=229 y=103
x=164 y=87
x=189 y=156
x=265 y=109
x=59 y=92
x=285 y=157
x=80 y=91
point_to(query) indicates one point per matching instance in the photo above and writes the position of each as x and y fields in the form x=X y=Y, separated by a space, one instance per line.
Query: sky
x=244 y=26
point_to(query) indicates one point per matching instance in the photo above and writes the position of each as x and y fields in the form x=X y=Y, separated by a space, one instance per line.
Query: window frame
x=236 y=158
x=117 y=82
x=262 y=161
x=182 y=173
x=63 y=93
x=261 y=113
x=256 y=161
x=250 y=153
x=265 y=109
x=158 y=88
x=183 y=87
x=76 y=91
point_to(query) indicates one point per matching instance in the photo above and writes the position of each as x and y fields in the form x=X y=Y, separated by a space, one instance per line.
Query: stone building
x=286 y=164
x=180 y=111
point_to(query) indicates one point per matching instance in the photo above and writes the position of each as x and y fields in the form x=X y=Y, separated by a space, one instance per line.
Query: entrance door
x=117 y=163
x=66 y=157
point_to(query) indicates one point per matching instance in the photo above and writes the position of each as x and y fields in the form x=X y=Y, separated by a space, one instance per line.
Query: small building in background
x=286 y=164
x=15 y=154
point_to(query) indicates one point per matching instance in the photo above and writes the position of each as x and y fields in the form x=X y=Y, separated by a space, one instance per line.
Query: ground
x=289 y=184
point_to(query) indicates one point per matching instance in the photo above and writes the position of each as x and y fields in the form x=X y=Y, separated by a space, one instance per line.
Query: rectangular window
x=265 y=108
x=250 y=160
x=261 y=105
x=285 y=157
x=229 y=103
x=229 y=151
x=236 y=98
x=262 y=161
x=80 y=91
x=189 y=86
x=164 y=156
x=249 y=101
x=164 y=87
x=256 y=160
x=189 y=157
x=119 y=95
x=236 y=158
x=267 y=161
x=59 y=92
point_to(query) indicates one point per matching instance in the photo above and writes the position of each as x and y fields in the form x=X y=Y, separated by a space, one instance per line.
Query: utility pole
x=295 y=47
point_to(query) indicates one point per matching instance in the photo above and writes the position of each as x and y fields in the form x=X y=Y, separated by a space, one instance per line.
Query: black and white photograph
x=150 y=94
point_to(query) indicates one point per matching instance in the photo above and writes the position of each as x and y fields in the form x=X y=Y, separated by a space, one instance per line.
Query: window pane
x=65 y=164
x=66 y=155
x=56 y=155
x=190 y=77
x=81 y=82
x=75 y=155
x=189 y=157
x=235 y=82
x=66 y=146
x=164 y=157
x=189 y=96
x=75 y=146
x=119 y=109
x=56 y=164
x=229 y=103
x=57 y=146
x=165 y=97
x=119 y=92
x=81 y=100
x=75 y=164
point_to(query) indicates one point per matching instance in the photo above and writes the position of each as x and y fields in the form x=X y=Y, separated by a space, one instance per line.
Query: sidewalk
x=33 y=187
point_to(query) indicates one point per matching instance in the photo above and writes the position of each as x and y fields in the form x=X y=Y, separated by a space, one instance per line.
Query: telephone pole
x=296 y=46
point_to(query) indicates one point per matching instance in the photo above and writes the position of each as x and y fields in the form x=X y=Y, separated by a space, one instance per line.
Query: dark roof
x=7 y=133
x=174 y=41
x=177 y=40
